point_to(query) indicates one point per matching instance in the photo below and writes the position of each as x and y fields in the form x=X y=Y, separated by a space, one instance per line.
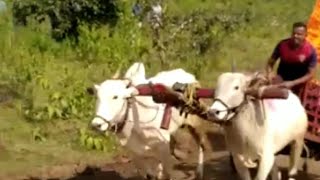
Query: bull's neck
x=142 y=113
x=144 y=110
x=249 y=118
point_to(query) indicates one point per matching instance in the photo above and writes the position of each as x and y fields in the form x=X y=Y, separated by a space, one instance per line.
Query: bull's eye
x=115 y=97
x=236 y=88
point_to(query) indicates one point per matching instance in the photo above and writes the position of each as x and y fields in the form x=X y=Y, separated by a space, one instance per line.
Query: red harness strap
x=166 y=117
x=161 y=94
x=160 y=91
x=205 y=93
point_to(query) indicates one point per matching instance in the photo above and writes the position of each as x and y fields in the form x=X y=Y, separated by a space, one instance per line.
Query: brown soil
x=217 y=165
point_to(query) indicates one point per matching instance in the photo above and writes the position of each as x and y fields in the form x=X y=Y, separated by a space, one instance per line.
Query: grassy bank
x=44 y=107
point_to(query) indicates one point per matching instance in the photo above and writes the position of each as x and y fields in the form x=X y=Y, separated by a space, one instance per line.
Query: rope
x=192 y=105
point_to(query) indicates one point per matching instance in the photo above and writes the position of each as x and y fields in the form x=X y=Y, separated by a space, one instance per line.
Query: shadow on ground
x=216 y=167
x=216 y=141
x=116 y=171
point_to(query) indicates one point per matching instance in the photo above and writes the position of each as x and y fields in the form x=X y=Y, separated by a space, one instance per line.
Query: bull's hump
x=170 y=77
x=283 y=108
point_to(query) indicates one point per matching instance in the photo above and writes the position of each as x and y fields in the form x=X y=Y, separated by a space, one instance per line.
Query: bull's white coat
x=142 y=134
x=258 y=132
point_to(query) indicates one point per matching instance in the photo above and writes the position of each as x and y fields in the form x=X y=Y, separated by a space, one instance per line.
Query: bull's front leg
x=165 y=162
x=140 y=165
x=265 y=165
x=242 y=170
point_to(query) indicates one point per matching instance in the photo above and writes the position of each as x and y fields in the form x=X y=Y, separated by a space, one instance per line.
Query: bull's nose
x=95 y=126
x=213 y=113
x=99 y=124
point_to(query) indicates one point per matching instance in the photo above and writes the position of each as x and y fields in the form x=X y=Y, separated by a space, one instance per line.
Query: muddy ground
x=217 y=165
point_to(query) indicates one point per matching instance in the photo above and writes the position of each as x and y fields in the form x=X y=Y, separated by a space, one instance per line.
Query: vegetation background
x=52 y=50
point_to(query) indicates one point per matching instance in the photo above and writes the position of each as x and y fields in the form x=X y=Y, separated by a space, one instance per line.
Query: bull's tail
x=199 y=140
x=305 y=165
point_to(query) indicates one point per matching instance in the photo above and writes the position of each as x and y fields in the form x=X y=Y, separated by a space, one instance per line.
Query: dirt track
x=216 y=166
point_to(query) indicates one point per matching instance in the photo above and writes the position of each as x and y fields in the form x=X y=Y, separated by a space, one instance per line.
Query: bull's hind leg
x=296 y=150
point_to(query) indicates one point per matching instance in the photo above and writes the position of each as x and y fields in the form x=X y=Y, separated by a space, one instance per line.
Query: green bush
x=65 y=15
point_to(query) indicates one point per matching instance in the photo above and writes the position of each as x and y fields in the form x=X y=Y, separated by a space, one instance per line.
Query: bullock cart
x=186 y=97
x=310 y=98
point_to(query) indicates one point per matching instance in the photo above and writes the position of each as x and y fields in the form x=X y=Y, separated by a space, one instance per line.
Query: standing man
x=298 y=59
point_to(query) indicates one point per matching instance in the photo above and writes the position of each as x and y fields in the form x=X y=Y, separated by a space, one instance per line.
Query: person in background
x=3 y=6
x=137 y=10
x=298 y=59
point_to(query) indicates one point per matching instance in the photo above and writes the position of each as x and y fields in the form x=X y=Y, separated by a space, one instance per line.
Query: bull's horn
x=233 y=66
x=117 y=73
x=90 y=90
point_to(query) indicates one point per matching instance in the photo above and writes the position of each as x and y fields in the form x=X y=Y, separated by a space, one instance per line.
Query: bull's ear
x=133 y=92
x=93 y=90
x=96 y=87
x=136 y=72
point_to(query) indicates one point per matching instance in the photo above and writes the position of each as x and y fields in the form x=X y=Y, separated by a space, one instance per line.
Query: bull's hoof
x=199 y=176
x=233 y=167
x=293 y=176
x=149 y=177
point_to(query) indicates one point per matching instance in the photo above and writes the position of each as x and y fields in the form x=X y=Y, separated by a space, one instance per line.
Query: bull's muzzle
x=213 y=114
x=99 y=124
x=219 y=111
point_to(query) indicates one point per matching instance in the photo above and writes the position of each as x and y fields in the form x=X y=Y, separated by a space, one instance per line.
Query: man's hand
x=286 y=84
x=274 y=78
x=270 y=76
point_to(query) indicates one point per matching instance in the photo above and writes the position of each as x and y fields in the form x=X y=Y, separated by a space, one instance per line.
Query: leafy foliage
x=95 y=142
x=65 y=15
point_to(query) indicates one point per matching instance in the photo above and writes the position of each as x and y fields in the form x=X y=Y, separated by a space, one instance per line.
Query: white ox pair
x=253 y=134
x=256 y=131
x=140 y=118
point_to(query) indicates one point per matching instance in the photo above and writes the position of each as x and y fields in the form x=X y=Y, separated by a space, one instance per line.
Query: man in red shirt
x=298 y=59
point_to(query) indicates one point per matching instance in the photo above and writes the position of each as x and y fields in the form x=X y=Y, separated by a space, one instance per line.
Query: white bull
x=256 y=130
x=118 y=104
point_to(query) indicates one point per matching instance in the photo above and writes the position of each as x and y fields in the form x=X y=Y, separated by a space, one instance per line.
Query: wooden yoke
x=190 y=104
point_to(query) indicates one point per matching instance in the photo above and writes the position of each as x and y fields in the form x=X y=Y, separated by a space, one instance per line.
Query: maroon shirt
x=294 y=63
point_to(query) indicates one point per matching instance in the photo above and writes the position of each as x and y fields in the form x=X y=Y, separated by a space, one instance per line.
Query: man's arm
x=272 y=60
x=310 y=73
x=270 y=64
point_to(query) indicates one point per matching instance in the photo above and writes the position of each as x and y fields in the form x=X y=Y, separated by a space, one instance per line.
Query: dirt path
x=217 y=165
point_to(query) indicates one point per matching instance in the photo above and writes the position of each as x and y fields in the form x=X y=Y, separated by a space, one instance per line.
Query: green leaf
x=74 y=110
x=58 y=112
x=89 y=143
x=82 y=131
x=98 y=144
x=64 y=103
x=51 y=111
x=56 y=96
x=83 y=139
